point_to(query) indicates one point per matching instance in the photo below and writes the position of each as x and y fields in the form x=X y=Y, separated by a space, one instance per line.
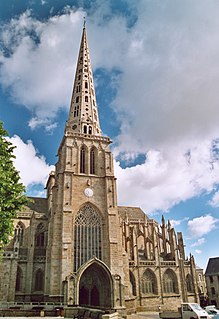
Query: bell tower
x=84 y=263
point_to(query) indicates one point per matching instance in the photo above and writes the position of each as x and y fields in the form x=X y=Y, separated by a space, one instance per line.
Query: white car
x=212 y=311
x=212 y=307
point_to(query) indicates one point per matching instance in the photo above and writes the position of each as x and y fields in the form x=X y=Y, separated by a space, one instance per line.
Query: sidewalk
x=144 y=315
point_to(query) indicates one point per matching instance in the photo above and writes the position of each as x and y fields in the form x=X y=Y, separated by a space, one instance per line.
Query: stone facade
x=76 y=246
x=212 y=281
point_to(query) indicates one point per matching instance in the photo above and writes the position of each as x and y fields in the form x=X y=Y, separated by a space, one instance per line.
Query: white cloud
x=202 y=225
x=167 y=92
x=175 y=222
x=198 y=251
x=168 y=177
x=32 y=167
x=215 y=200
x=199 y=242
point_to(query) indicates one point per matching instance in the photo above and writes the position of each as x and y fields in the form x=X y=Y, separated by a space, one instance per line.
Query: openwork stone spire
x=83 y=116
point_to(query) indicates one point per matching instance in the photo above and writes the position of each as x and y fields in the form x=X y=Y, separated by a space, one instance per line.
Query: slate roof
x=38 y=204
x=212 y=267
x=131 y=213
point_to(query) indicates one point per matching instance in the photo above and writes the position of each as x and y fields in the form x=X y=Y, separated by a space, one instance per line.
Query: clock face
x=88 y=192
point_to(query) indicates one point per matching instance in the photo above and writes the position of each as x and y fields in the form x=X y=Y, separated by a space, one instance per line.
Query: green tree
x=12 y=196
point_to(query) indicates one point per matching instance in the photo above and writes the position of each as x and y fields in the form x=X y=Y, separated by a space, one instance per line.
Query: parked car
x=212 y=311
x=212 y=307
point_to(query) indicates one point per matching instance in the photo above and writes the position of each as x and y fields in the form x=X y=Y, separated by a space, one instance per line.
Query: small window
x=211 y=279
x=19 y=233
x=85 y=129
x=86 y=85
x=92 y=161
x=212 y=290
x=86 y=98
x=39 y=278
x=82 y=160
x=79 y=77
x=77 y=99
x=90 y=130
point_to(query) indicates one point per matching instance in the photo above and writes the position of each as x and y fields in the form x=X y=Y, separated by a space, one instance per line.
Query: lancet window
x=40 y=237
x=87 y=236
x=92 y=161
x=82 y=160
x=189 y=283
x=19 y=233
x=19 y=279
x=39 y=279
x=133 y=283
x=170 y=282
x=149 y=282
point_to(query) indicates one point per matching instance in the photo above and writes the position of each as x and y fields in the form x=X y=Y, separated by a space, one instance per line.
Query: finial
x=84 y=22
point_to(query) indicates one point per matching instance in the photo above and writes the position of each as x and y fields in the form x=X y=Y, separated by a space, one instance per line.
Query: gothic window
x=133 y=283
x=40 y=238
x=212 y=290
x=92 y=161
x=90 y=130
x=87 y=236
x=77 y=99
x=76 y=111
x=86 y=98
x=189 y=284
x=83 y=160
x=39 y=278
x=170 y=282
x=149 y=282
x=19 y=279
x=85 y=129
x=19 y=233
x=86 y=85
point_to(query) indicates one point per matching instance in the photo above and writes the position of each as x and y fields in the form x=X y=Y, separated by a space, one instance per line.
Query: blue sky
x=156 y=73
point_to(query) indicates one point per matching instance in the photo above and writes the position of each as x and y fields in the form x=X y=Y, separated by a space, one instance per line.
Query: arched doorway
x=95 y=287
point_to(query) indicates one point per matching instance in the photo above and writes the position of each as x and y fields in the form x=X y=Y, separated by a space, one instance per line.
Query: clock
x=88 y=192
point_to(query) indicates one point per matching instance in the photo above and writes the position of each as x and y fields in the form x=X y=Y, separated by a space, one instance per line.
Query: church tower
x=84 y=264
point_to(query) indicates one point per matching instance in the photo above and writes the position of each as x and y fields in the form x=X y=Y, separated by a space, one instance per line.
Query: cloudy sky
x=156 y=72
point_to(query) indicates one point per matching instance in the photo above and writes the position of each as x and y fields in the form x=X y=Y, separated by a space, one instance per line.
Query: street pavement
x=140 y=315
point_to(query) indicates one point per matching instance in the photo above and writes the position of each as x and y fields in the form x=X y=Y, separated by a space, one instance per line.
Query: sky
x=156 y=74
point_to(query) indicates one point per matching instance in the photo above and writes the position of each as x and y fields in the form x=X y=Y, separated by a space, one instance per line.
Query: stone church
x=77 y=246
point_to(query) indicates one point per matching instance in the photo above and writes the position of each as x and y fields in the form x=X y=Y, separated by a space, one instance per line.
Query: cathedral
x=77 y=247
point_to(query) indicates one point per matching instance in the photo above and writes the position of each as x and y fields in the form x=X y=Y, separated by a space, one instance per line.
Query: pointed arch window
x=40 y=237
x=39 y=279
x=85 y=129
x=82 y=160
x=19 y=279
x=149 y=282
x=76 y=111
x=19 y=233
x=86 y=85
x=86 y=98
x=189 y=283
x=132 y=283
x=90 y=130
x=87 y=236
x=92 y=161
x=77 y=99
x=170 y=282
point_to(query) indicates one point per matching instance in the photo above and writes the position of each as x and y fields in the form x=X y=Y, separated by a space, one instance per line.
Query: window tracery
x=87 y=236
x=149 y=282
x=19 y=233
x=170 y=282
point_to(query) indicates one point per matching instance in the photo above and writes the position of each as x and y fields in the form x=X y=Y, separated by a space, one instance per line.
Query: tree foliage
x=12 y=196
